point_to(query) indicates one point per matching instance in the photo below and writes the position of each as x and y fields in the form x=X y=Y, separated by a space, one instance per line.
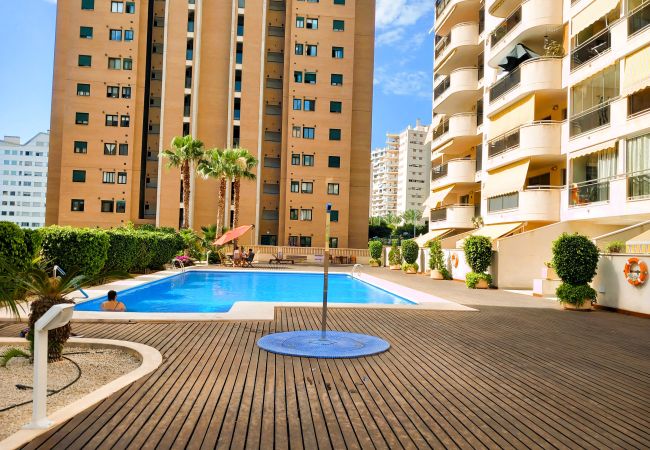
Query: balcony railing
x=588 y=192
x=505 y=27
x=638 y=19
x=638 y=185
x=439 y=172
x=438 y=215
x=442 y=45
x=593 y=118
x=479 y=157
x=591 y=48
x=441 y=129
x=441 y=87
x=503 y=202
x=440 y=7
x=505 y=84
x=504 y=143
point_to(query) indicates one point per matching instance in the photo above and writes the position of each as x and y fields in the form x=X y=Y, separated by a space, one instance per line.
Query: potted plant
x=615 y=247
x=575 y=259
x=478 y=254
x=375 y=247
x=548 y=272
x=410 y=250
x=395 y=257
x=437 y=261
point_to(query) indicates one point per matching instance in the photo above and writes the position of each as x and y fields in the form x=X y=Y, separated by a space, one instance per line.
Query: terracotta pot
x=586 y=306
x=411 y=271
x=436 y=275
x=482 y=284
x=395 y=267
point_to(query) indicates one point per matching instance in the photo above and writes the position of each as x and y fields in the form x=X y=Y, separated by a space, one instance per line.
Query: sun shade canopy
x=494 y=232
x=507 y=179
x=517 y=55
x=233 y=234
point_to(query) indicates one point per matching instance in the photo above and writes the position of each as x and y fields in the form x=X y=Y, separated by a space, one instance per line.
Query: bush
x=375 y=248
x=472 y=279
x=436 y=256
x=33 y=241
x=410 y=251
x=575 y=258
x=478 y=253
x=407 y=266
x=164 y=246
x=616 y=247
x=13 y=249
x=575 y=295
x=83 y=249
x=125 y=250
x=395 y=255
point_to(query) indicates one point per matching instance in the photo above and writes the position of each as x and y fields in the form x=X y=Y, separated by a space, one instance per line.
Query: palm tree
x=412 y=216
x=216 y=166
x=185 y=151
x=242 y=163
x=392 y=220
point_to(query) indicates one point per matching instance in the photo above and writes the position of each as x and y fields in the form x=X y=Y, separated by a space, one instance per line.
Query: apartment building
x=413 y=169
x=540 y=114
x=385 y=164
x=23 y=180
x=291 y=81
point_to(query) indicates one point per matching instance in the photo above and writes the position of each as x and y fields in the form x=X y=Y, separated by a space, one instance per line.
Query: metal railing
x=181 y=266
x=505 y=84
x=638 y=185
x=439 y=172
x=438 y=215
x=590 y=49
x=440 y=7
x=442 y=45
x=588 y=192
x=505 y=27
x=441 y=87
x=590 y=119
x=441 y=129
x=56 y=270
x=638 y=19
x=503 y=143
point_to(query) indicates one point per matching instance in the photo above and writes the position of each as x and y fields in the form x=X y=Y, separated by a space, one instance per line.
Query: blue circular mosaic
x=310 y=344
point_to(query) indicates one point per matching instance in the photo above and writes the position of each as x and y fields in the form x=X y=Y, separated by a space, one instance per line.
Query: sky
x=402 y=80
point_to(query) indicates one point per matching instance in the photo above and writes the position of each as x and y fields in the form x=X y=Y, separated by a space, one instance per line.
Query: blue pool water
x=210 y=292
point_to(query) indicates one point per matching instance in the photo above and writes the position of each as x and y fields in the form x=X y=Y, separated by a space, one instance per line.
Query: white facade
x=384 y=164
x=23 y=180
x=414 y=169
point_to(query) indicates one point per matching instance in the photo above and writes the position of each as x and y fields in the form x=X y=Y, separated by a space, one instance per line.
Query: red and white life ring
x=454 y=259
x=636 y=277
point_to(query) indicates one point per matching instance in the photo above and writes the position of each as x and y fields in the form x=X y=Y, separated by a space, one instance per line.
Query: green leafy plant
x=410 y=251
x=12 y=353
x=575 y=259
x=13 y=248
x=394 y=255
x=478 y=253
x=125 y=248
x=375 y=248
x=407 y=266
x=437 y=259
x=575 y=295
x=472 y=279
x=71 y=248
x=615 y=247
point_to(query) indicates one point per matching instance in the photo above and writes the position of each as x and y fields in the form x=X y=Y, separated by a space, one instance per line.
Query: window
x=305 y=241
x=295 y=186
x=312 y=24
x=339 y=2
x=120 y=206
x=334 y=242
x=128 y=35
x=336 y=79
x=336 y=107
x=310 y=105
x=299 y=49
x=88 y=4
x=307 y=187
x=508 y=201
x=337 y=52
x=78 y=176
x=126 y=92
x=308 y=160
x=114 y=63
x=300 y=22
x=295 y=159
x=83 y=89
x=334 y=215
x=111 y=120
x=77 y=205
x=108 y=177
x=305 y=214
x=107 y=206
x=308 y=133
x=338 y=25
x=115 y=35
x=86 y=32
x=85 y=60
x=310 y=77
x=121 y=178
x=540 y=180
x=293 y=241
x=117 y=7
x=124 y=149
x=127 y=64
x=297 y=104
x=334 y=161
x=81 y=118
x=110 y=148
x=333 y=188
x=312 y=50
x=112 y=92
x=293 y=214
x=80 y=147
x=297 y=77
x=335 y=134
x=125 y=121
x=130 y=9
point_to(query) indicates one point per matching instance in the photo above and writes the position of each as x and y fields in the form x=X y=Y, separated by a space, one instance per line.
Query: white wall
x=613 y=289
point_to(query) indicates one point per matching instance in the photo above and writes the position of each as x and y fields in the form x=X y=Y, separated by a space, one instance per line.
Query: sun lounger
x=278 y=259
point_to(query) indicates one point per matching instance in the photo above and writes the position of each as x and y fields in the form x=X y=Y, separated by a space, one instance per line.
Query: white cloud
x=394 y=17
x=403 y=83
x=50 y=1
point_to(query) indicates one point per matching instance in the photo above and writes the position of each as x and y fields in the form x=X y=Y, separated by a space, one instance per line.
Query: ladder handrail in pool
x=182 y=266
x=354 y=269
x=58 y=269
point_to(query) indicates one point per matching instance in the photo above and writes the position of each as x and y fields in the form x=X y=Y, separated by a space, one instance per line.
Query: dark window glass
x=79 y=176
x=77 y=205
x=334 y=161
x=107 y=206
x=80 y=147
x=85 y=60
x=335 y=134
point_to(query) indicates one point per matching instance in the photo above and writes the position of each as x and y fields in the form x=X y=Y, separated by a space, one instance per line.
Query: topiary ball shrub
x=478 y=253
x=13 y=249
x=410 y=251
x=375 y=248
x=83 y=249
x=575 y=258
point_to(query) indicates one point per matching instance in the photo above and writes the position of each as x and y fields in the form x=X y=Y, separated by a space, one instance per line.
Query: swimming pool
x=214 y=292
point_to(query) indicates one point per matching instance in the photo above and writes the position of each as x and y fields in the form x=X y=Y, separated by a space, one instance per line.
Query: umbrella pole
x=326 y=263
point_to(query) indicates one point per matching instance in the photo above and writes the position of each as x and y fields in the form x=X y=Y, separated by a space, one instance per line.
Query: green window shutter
x=336 y=107
x=79 y=176
x=87 y=4
x=334 y=216
x=85 y=60
x=339 y=2
x=335 y=134
x=86 y=32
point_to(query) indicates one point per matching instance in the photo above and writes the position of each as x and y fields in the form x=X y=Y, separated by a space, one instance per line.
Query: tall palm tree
x=185 y=151
x=392 y=220
x=215 y=165
x=242 y=163
x=412 y=216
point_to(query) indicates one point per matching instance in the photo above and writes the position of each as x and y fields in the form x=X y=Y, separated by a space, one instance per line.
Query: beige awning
x=518 y=114
x=637 y=71
x=423 y=240
x=494 y=232
x=593 y=149
x=437 y=197
x=507 y=179
x=591 y=13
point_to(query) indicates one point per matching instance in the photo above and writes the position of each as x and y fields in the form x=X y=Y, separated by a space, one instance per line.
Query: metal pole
x=326 y=263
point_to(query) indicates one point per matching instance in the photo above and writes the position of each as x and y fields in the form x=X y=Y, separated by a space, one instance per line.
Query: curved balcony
x=538 y=204
x=452 y=216
x=502 y=8
x=529 y=22
x=451 y=12
x=459 y=128
x=533 y=76
x=456 y=171
x=458 y=92
x=460 y=48
x=540 y=141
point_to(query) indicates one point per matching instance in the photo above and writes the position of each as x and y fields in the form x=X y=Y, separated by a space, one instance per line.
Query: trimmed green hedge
x=410 y=251
x=478 y=253
x=135 y=250
x=13 y=249
x=394 y=255
x=83 y=249
x=375 y=248
x=575 y=295
x=575 y=258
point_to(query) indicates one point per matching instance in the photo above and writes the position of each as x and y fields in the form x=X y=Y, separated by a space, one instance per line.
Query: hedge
x=83 y=249
x=375 y=248
x=134 y=250
x=13 y=250
x=410 y=251
x=478 y=253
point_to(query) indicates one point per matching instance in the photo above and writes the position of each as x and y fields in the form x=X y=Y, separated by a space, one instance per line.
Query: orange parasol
x=233 y=234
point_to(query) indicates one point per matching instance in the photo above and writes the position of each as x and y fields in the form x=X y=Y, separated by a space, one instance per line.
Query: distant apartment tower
x=413 y=169
x=385 y=164
x=23 y=175
x=291 y=81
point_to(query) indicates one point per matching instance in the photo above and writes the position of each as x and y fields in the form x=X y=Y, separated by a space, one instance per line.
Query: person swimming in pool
x=112 y=304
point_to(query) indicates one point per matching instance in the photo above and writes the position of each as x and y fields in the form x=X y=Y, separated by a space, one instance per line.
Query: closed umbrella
x=517 y=55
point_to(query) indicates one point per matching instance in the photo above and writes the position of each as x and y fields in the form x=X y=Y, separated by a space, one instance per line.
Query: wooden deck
x=499 y=378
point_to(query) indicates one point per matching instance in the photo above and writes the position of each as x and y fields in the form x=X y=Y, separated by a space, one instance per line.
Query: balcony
x=456 y=171
x=596 y=117
x=591 y=48
x=460 y=129
x=530 y=22
x=540 y=141
x=451 y=12
x=539 y=75
x=501 y=8
x=452 y=216
x=539 y=204
x=638 y=19
x=460 y=48
x=458 y=92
